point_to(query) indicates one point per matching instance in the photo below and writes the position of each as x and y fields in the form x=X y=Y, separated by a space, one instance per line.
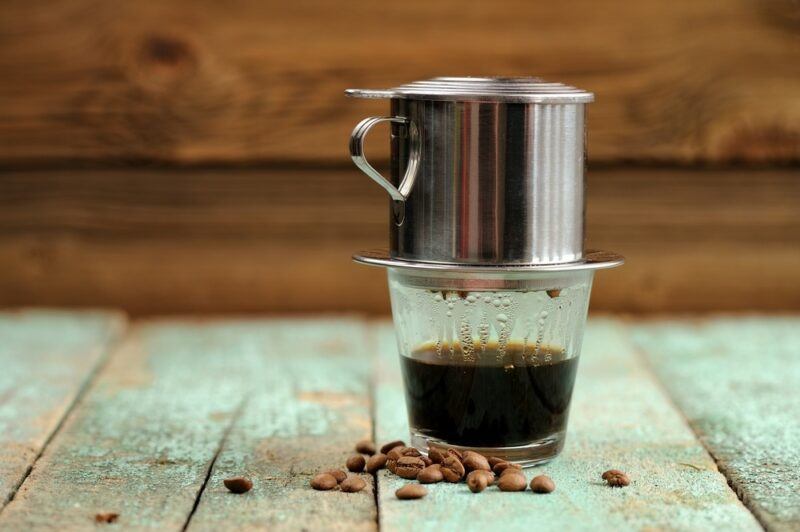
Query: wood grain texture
x=620 y=418
x=215 y=241
x=307 y=405
x=141 y=441
x=46 y=360
x=738 y=382
x=197 y=82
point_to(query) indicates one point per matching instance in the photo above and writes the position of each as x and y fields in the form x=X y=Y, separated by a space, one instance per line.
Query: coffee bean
x=431 y=474
x=395 y=453
x=391 y=464
x=411 y=491
x=493 y=460
x=512 y=482
x=391 y=445
x=409 y=467
x=352 y=484
x=376 y=462
x=106 y=517
x=477 y=481
x=554 y=293
x=474 y=461
x=410 y=451
x=456 y=453
x=436 y=455
x=238 y=484
x=488 y=474
x=509 y=470
x=356 y=463
x=502 y=466
x=427 y=460
x=365 y=447
x=616 y=478
x=323 y=481
x=452 y=469
x=542 y=484
x=338 y=474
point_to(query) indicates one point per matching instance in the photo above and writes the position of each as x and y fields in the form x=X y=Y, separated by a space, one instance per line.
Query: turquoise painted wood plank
x=620 y=418
x=737 y=380
x=46 y=359
x=142 y=439
x=304 y=413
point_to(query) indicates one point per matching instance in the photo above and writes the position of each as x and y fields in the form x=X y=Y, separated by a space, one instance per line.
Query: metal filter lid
x=497 y=89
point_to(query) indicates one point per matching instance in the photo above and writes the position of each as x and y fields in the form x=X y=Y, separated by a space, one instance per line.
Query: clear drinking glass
x=489 y=360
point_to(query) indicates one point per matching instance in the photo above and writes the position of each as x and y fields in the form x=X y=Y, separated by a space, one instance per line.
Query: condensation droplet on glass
x=438 y=297
x=471 y=299
x=451 y=306
x=496 y=302
x=487 y=299
x=506 y=302
x=501 y=318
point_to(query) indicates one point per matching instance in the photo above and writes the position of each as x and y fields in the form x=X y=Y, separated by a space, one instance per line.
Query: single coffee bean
x=395 y=453
x=376 y=462
x=352 y=484
x=502 y=466
x=436 y=455
x=427 y=460
x=493 y=460
x=456 y=453
x=488 y=474
x=338 y=474
x=474 y=461
x=106 y=517
x=238 y=484
x=356 y=463
x=554 y=293
x=616 y=478
x=477 y=481
x=391 y=445
x=410 y=451
x=409 y=467
x=452 y=469
x=512 y=482
x=323 y=482
x=431 y=474
x=542 y=484
x=365 y=447
x=509 y=470
x=411 y=491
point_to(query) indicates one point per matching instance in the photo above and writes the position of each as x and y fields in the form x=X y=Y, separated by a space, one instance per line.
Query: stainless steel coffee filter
x=485 y=172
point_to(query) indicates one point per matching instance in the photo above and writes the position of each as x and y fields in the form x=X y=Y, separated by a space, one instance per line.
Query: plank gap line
x=236 y=414
x=87 y=383
x=648 y=366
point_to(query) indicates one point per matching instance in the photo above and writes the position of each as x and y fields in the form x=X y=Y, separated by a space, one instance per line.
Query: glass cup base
x=533 y=453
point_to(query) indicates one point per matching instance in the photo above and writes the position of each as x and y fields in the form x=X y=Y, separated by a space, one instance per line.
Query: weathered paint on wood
x=738 y=382
x=46 y=360
x=620 y=418
x=308 y=403
x=141 y=441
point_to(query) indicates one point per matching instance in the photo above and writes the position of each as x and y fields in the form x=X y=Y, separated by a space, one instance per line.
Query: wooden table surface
x=98 y=414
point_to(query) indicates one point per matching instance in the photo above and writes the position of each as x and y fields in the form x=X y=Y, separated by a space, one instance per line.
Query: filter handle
x=400 y=193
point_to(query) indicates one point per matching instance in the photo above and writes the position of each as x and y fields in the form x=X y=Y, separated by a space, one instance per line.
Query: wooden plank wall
x=191 y=157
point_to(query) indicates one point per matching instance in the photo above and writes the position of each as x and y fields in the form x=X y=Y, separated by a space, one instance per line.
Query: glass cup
x=489 y=359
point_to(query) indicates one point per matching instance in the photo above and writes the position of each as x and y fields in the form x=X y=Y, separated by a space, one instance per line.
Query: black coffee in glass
x=493 y=397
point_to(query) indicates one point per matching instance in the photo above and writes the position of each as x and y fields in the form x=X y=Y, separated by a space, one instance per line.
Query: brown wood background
x=191 y=156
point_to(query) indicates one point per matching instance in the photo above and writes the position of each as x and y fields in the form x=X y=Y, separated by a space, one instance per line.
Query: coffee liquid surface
x=491 y=398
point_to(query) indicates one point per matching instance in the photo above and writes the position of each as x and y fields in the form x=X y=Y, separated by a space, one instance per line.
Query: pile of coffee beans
x=441 y=465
